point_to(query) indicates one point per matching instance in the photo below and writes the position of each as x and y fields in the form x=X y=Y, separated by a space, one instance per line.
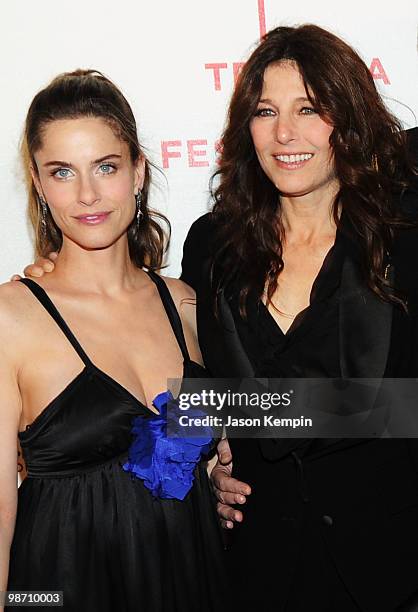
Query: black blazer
x=381 y=542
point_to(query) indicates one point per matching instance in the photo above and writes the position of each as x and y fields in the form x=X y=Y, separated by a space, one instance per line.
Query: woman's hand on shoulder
x=41 y=266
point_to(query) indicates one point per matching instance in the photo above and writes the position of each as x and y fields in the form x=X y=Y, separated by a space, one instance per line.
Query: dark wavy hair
x=88 y=93
x=369 y=150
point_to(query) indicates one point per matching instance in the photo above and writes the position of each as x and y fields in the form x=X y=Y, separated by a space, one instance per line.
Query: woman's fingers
x=228 y=515
x=224 y=452
x=228 y=490
x=229 y=498
x=41 y=265
x=33 y=270
x=222 y=480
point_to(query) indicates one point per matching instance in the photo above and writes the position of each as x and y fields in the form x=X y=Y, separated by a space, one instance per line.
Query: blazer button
x=328 y=520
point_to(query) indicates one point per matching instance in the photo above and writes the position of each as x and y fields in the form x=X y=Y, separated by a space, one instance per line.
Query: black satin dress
x=88 y=528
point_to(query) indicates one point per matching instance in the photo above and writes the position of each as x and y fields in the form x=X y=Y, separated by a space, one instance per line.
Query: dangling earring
x=139 y=213
x=44 y=212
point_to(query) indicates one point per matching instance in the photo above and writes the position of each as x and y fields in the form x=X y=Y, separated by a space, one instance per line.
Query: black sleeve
x=412 y=139
x=409 y=198
x=410 y=203
x=197 y=250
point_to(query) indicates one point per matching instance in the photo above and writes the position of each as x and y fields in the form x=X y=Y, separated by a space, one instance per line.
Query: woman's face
x=86 y=175
x=291 y=140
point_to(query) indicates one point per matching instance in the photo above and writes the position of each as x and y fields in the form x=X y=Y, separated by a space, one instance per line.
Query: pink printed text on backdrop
x=193 y=153
x=218 y=68
x=196 y=153
x=261 y=17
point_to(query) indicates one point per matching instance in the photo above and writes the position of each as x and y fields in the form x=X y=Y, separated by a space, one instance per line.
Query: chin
x=96 y=238
x=95 y=243
x=293 y=191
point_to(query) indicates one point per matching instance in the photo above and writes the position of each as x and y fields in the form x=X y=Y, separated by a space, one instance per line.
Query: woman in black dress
x=110 y=513
x=314 y=274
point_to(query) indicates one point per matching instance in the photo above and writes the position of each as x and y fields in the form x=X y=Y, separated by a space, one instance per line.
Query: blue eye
x=107 y=168
x=62 y=173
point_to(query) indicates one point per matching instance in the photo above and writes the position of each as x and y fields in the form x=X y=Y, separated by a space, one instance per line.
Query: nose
x=285 y=130
x=88 y=194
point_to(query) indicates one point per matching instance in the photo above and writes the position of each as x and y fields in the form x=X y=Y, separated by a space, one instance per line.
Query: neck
x=309 y=217
x=105 y=271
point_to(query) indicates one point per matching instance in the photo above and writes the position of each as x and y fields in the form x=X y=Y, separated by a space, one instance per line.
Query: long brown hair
x=369 y=150
x=88 y=93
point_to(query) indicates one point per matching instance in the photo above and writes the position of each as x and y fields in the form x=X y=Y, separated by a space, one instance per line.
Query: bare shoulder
x=17 y=315
x=180 y=291
x=184 y=299
x=13 y=300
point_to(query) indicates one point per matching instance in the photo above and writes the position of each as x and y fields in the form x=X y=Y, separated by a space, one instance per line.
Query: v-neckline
x=295 y=323
x=168 y=305
x=51 y=407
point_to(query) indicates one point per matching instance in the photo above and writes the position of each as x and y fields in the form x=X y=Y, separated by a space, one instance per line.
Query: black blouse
x=310 y=348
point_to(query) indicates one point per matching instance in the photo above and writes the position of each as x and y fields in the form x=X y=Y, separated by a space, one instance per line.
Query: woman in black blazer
x=306 y=269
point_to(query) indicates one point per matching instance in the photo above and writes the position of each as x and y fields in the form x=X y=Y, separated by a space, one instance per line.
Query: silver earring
x=139 y=213
x=44 y=212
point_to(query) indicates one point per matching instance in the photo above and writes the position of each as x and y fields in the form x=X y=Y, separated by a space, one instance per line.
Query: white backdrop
x=175 y=61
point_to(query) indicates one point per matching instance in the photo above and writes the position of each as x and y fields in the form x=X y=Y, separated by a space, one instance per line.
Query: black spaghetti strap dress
x=92 y=530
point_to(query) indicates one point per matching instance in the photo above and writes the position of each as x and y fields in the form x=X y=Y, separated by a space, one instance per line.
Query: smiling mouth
x=93 y=219
x=296 y=158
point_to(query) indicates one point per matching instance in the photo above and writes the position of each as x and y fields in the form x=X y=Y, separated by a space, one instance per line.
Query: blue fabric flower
x=166 y=464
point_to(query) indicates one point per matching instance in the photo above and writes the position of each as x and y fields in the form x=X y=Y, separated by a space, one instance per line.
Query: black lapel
x=365 y=323
x=239 y=364
x=365 y=327
x=219 y=341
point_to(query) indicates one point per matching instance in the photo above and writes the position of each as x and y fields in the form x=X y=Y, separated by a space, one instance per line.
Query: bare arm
x=10 y=412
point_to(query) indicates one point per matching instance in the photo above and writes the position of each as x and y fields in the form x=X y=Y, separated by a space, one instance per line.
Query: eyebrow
x=70 y=165
x=300 y=99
